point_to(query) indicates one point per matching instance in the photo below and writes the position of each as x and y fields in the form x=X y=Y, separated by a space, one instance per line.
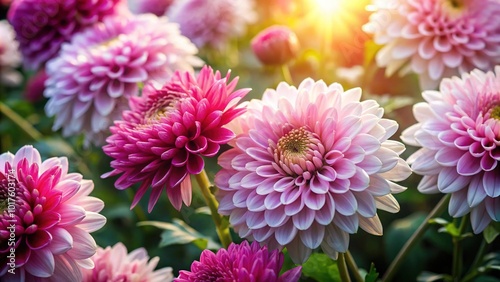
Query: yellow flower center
x=495 y=113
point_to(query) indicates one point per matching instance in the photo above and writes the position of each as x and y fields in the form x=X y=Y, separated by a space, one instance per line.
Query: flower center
x=159 y=109
x=299 y=151
x=495 y=113
x=294 y=143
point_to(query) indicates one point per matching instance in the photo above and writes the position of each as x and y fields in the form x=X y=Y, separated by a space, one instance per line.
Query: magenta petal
x=468 y=165
x=195 y=164
x=39 y=239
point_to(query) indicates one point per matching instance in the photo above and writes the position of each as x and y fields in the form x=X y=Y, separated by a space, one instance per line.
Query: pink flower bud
x=275 y=45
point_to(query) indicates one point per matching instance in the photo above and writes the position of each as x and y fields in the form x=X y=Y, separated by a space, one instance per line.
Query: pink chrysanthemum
x=90 y=83
x=10 y=58
x=116 y=264
x=212 y=23
x=308 y=167
x=436 y=38
x=459 y=131
x=243 y=262
x=42 y=26
x=47 y=215
x=162 y=140
x=157 y=7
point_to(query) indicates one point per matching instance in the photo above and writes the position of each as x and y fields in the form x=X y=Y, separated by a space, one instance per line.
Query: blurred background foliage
x=334 y=49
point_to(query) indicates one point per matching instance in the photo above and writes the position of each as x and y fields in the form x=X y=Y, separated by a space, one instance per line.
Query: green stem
x=457 y=251
x=341 y=263
x=20 y=121
x=138 y=210
x=396 y=263
x=222 y=231
x=477 y=261
x=287 y=76
x=351 y=263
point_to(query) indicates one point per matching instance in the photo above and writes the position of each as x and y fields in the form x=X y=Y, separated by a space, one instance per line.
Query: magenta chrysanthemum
x=90 y=83
x=459 y=131
x=47 y=215
x=212 y=23
x=243 y=262
x=163 y=138
x=42 y=26
x=308 y=167
x=10 y=58
x=116 y=264
x=436 y=38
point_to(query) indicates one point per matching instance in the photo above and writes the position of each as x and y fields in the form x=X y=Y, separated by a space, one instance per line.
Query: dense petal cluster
x=436 y=38
x=162 y=140
x=116 y=264
x=42 y=26
x=459 y=131
x=90 y=83
x=46 y=217
x=212 y=23
x=240 y=262
x=309 y=166
x=10 y=58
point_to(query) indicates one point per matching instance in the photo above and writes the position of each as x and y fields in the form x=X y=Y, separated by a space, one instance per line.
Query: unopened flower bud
x=275 y=45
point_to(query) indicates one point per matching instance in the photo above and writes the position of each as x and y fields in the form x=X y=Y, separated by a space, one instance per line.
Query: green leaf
x=372 y=275
x=179 y=232
x=451 y=229
x=321 y=268
x=491 y=232
x=438 y=220
x=427 y=276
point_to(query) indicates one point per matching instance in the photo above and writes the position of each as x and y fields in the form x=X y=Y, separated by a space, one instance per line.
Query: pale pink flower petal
x=435 y=38
x=460 y=140
x=90 y=83
x=308 y=167
x=116 y=264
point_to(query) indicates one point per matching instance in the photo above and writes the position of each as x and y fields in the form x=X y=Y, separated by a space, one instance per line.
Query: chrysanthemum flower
x=162 y=140
x=116 y=264
x=212 y=23
x=309 y=166
x=436 y=38
x=157 y=7
x=243 y=262
x=10 y=58
x=459 y=131
x=46 y=217
x=42 y=26
x=90 y=83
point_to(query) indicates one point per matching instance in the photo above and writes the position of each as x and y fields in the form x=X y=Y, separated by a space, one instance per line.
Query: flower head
x=309 y=166
x=162 y=140
x=116 y=264
x=157 y=7
x=243 y=262
x=459 y=131
x=42 y=26
x=47 y=214
x=436 y=38
x=90 y=83
x=275 y=45
x=212 y=23
x=10 y=58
